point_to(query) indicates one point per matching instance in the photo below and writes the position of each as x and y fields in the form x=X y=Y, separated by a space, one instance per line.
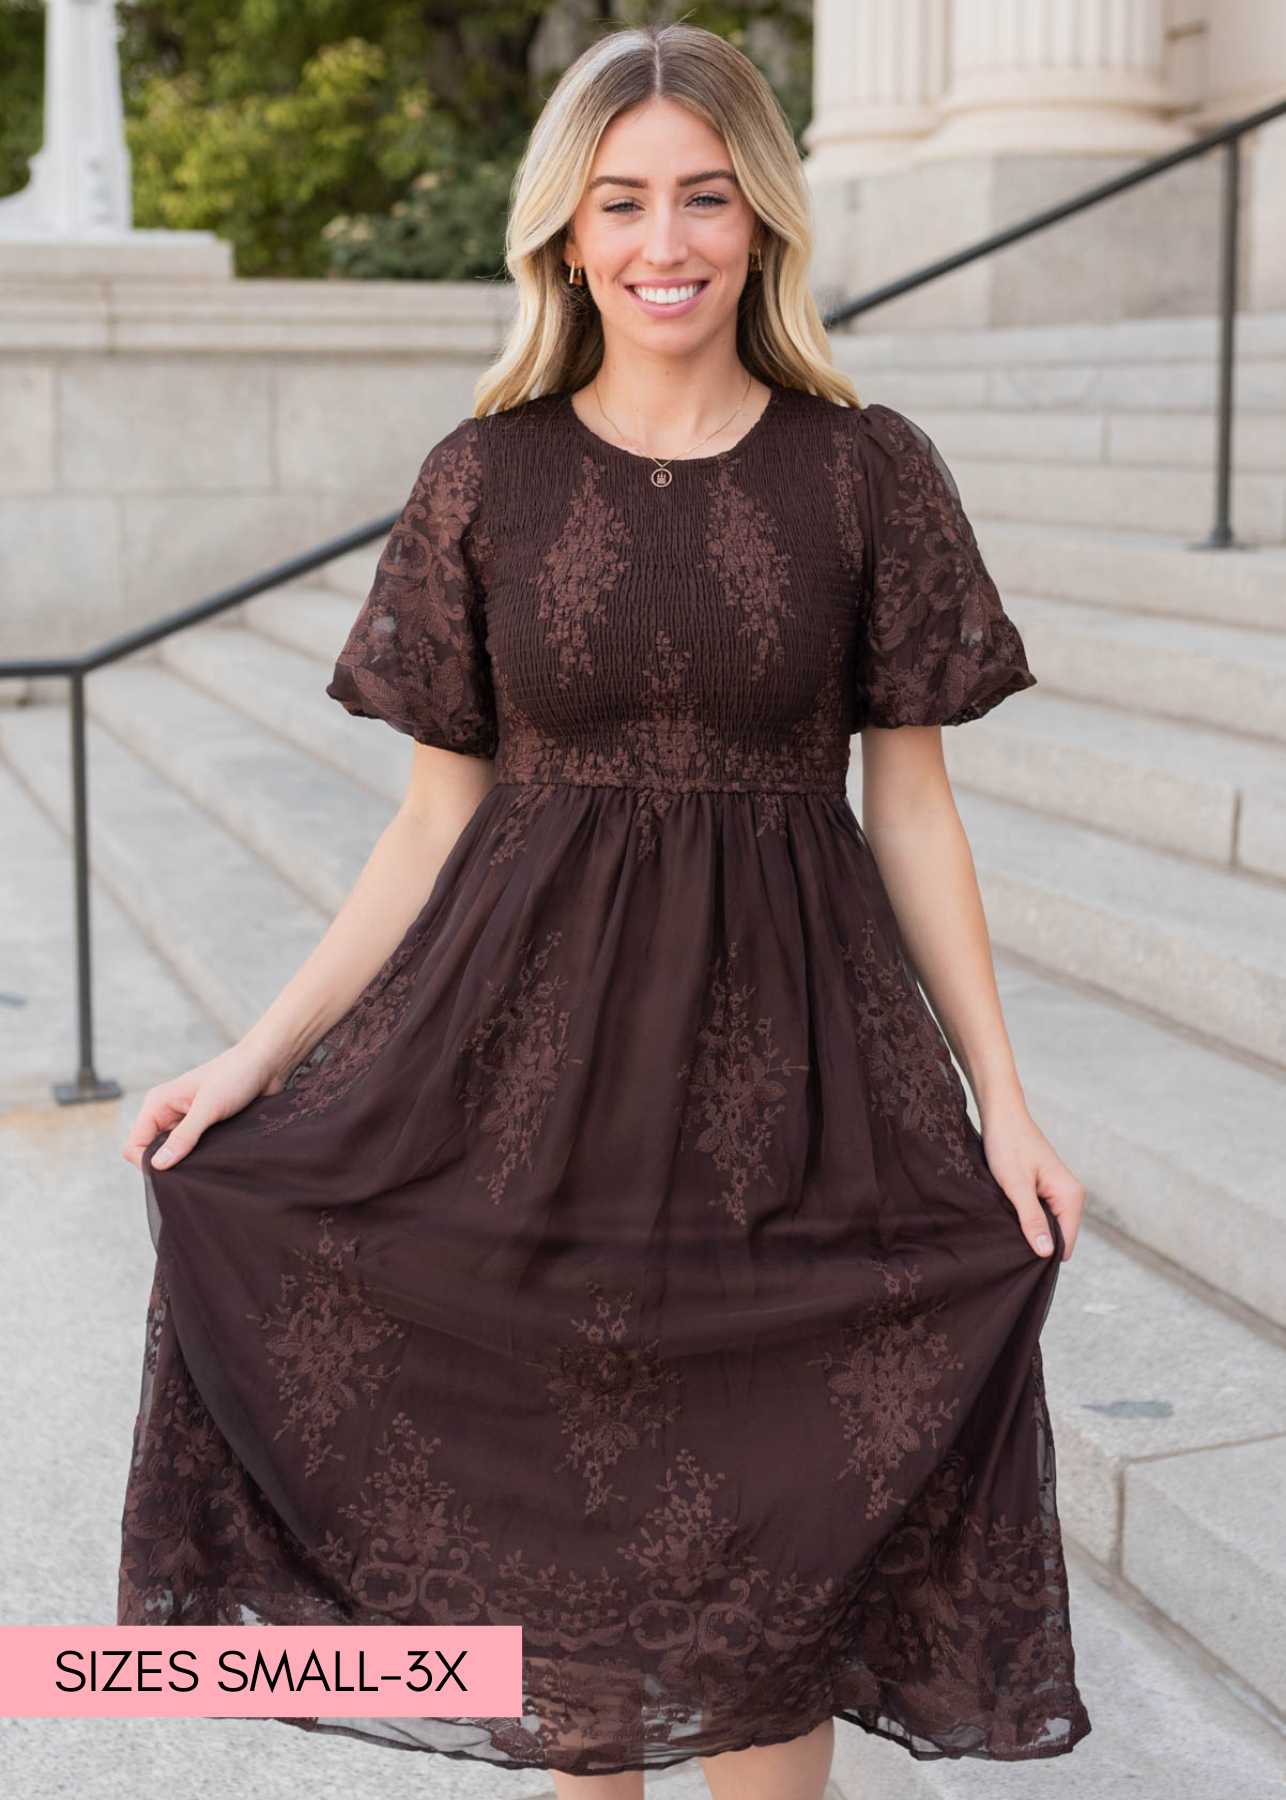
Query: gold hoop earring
x=756 y=260
x=575 y=275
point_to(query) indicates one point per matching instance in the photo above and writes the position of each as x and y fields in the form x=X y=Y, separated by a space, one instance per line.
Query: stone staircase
x=1128 y=823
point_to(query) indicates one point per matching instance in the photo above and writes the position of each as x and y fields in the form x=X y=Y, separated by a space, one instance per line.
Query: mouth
x=667 y=299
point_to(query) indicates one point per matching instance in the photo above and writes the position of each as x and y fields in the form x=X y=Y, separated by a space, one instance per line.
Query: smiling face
x=663 y=231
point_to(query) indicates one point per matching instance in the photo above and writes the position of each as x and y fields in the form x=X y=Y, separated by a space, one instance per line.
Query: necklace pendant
x=661 y=478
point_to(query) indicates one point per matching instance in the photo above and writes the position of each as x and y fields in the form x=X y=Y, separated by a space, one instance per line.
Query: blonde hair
x=556 y=340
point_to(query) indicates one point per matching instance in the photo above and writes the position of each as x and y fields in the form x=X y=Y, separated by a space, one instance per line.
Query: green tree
x=347 y=137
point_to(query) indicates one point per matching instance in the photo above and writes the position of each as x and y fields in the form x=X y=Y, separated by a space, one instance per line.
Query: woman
x=592 y=1236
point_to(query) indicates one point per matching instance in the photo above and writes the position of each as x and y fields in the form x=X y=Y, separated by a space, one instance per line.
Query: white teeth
x=668 y=296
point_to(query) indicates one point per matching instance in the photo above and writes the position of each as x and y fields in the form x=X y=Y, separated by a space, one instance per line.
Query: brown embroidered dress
x=624 y=1264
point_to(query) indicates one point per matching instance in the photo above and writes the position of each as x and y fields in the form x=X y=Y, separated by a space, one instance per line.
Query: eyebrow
x=633 y=181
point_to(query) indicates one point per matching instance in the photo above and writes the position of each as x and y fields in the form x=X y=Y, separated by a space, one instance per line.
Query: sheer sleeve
x=937 y=647
x=416 y=655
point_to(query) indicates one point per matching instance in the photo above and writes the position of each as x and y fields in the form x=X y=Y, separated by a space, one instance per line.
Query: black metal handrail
x=1227 y=136
x=90 y=1086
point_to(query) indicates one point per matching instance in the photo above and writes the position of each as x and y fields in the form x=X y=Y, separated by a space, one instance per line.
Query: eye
x=620 y=206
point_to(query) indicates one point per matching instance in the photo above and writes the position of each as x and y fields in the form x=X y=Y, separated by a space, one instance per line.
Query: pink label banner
x=260 y=1672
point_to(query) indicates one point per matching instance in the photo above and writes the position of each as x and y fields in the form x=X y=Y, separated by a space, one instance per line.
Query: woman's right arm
x=398 y=877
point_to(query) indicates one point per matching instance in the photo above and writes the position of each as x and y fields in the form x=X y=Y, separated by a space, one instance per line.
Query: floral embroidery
x=610 y=1394
x=954 y=1591
x=772 y=814
x=418 y=1549
x=578 y=574
x=751 y=572
x=953 y=1631
x=512 y=1061
x=510 y=835
x=415 y=655
x=319 y=1338
x=190 y=1510
x=735 y=1085
x=940 y=648
x=913 y=1080
x=846 y=477
x=346 y=1052
x=887 y=1381
x=650 y=808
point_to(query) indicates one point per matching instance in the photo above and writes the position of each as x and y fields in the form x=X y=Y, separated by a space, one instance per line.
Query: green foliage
x=22 y=41
x=367 y=138
x=451 y=220
x=264 y=169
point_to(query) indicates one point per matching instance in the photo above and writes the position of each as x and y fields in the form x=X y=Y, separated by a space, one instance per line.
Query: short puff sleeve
x=416 y=655
x=937 y=647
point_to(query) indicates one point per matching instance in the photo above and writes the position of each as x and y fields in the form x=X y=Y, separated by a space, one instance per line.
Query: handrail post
x=1221 y=537
x=87 y=1085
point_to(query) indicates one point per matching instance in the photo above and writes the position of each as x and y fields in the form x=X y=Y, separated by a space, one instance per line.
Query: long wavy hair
x=555 y=342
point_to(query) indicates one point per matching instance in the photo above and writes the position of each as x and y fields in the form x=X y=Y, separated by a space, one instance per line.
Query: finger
x=1031 y=1216
x=1066 y=1229
x=157 y=1113
x=180 y=1140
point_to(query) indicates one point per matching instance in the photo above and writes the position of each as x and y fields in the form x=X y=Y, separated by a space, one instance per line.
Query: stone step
x=1136 y=572
x=1186 y=788
x=1170 y=1420
x=1203 y=1542
x=1164 y=1727
x=1067 y=352
x=1180 y=1146
x=1204 y=948
x=1226 y=676
x=1177 y=503
x=146 y=1026
x=1102 y=437
x=313 y=620
x=1187 y=387
x=312 y=826
x=232 y=931
x=284 y=690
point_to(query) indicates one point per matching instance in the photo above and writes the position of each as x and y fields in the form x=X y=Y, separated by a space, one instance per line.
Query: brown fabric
x=624 y=1264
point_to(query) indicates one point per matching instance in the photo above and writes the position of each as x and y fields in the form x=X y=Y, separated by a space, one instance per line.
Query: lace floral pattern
x=612 y=1394
x=889 y=1381
x=416 y=654
x=751 y=572
x=320 y=1338
x=735 y=1085
x=578 y=576
x=912 y=1079
x=512 y=833
x=349 y=1049
x=420 y=1554
x=512 y=1061
x=940 y=648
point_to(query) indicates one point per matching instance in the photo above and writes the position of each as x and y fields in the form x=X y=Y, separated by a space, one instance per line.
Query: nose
x=665 y=247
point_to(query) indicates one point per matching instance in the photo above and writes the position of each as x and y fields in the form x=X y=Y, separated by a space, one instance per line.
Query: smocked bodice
x=543 y=602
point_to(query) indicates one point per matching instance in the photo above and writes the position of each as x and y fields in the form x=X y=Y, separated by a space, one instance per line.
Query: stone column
x=879 y=69
x=1055 y=77
x=80 y=176
x=1240 y=66
x=74 y=219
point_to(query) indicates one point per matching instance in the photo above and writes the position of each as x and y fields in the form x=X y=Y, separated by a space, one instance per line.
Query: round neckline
x=774 y=390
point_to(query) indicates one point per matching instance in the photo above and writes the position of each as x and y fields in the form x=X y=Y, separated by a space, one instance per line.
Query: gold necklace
x=661 y=476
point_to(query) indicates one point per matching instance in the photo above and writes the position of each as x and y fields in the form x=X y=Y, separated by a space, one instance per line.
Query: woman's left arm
x=910 y=820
